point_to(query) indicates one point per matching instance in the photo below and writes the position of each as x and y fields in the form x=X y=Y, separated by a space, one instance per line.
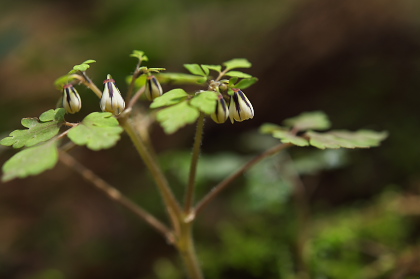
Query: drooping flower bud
x=111 y=100
x=153 y=88
x=240 y=107
x=221 y=112
x=71 y=99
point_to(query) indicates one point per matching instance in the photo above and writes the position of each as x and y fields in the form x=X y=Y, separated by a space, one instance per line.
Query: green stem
x=187 y=252
x=172 y=205
x=222 y=185
x=189 y=199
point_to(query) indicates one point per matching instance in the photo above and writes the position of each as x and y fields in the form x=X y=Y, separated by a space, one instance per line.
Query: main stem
x=172 y=205
x=189 y=199
x=187 y=252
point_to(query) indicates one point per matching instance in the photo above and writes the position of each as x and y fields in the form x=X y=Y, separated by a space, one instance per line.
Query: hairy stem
x=172 y=205
x=225 y=183
x=189 y=198
x=116 y=195
x=187 y=252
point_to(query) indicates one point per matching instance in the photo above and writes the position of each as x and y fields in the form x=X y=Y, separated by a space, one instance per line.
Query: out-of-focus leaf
x=180 y=78
x=171 y=97
x=238 y=74
x=237 y=63
x=269 y=128
x=140 y=55
x=245 y=83
x=177 y=116
x=346 y=139
x=287 y=137
x=315 y=120
x=216 y=68
x=39 y=130
x=99 y=130
x=195 y=69
x=205 y=101
x=31 y=161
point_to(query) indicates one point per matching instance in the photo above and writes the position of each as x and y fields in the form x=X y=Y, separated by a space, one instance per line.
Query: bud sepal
x=111 y=100
x=221 y=112
x=153 y=88
x=71 y=99
x=240 y=108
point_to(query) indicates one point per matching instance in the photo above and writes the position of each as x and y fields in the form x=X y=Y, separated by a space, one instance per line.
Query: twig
x=116 y=195
x=222 y=185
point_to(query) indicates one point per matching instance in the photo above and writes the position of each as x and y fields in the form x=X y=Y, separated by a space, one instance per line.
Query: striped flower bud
x=112 y=100
x=240 y=107
x=153 y=88
x=71 y=99
x=221 y=113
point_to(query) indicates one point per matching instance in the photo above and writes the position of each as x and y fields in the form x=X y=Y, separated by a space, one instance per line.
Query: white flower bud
x=71 y=99
x=240 y=107
x=221 y=112
x=153 y=88
x=112 y=100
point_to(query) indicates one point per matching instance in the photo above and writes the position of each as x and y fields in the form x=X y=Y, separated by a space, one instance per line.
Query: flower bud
x=112 y=100
x=240 y=107
x=71 y=99
x=221 y=112
x=153 y=88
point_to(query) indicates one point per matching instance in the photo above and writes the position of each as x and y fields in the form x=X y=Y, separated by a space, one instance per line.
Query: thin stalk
x=172 y=205
x=225 y=183
x=189 y=198
x=116 y=195
x=187 y=252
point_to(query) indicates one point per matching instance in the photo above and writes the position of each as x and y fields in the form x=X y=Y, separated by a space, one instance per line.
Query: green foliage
x=207 y=68
x=245 y=83
x=39 y=130
x=315 y=120
x=237 y=63
x=238 y=74
x=205 y=101
x=177 y=116
x=139 y=55
x=195 y=69
x=172 y=97
x=98 y=130
x=346 y=139
x=82 y=67
x=319 y=121
x=180 y=78
x=31 y=161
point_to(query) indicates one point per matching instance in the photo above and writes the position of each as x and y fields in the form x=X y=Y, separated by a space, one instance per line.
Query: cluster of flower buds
x=111 y=100
x=239 y=109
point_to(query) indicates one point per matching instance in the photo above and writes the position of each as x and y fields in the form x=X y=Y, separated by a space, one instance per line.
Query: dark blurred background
x=358 y=61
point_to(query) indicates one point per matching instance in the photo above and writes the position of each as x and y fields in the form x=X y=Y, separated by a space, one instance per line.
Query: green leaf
x=99 y=130
x=237 y=63
x=315 y=120
x=195 y=69
x=346 y=139
x=39 y=130
x=205 y=101
x=171 y=97
x=63 y=80
x=216 y=68
x=31 y=161
x=180 y=78
x=82 y=67
x=269 y=128
x=238 y=74
x=177 y=116
x=156 y=70
x=140 y=55
x=245 y=83
x=287 y=137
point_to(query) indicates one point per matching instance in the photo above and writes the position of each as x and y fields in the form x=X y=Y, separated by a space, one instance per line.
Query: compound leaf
x=98 y=130
x=171 y=97
x=238 y=74
x=31 y=161
x=315 y=120
x=287 y=137
x=39 y=129
x=346 y=139
x=207 y=68
x=180 y=78
x=177 y=116
x=245 y=83
x=82 y=67
x=205 y=101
